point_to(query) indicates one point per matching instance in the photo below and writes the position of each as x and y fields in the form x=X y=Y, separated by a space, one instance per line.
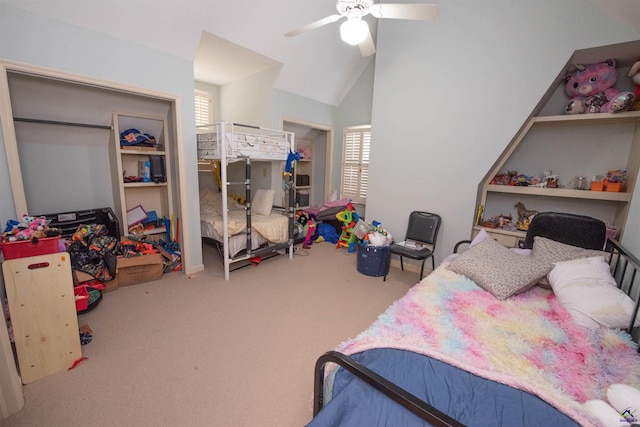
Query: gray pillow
x=499 y=270
x=552 y=251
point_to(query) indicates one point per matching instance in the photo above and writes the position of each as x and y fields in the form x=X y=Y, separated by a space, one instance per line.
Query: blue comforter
x=471 y=400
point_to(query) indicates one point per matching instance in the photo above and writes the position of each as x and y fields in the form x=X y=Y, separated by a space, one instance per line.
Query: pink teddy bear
x=592 y=90
x=34 y=225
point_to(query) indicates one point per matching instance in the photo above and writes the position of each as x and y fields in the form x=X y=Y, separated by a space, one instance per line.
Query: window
x=204 y=115
x=355 y=163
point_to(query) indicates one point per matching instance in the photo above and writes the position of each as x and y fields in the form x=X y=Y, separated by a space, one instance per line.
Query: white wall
x=354 y=110
x=450 y=95
x=248 y=100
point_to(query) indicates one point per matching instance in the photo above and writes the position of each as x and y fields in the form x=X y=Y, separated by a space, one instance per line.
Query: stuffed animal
x=634 y=74
x=592 y=89
x=35 y=228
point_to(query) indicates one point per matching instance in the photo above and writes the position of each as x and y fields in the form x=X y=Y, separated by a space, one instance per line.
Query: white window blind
x=355 y=163
x=204 y=115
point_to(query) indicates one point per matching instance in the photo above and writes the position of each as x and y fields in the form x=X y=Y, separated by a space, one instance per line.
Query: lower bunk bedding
x=461 y=356
x=267 y=225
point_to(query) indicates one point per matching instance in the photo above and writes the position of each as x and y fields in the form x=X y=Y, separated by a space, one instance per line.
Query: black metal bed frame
x=625 y=271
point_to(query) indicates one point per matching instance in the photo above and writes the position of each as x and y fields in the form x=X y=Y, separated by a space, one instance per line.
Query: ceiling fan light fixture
x=354 y=31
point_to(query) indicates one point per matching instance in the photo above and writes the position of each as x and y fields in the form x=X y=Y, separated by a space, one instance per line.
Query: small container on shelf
x=614 y=186
x=597 y=186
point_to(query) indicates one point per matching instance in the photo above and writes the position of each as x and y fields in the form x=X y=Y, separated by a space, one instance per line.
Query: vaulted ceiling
x=231 y=39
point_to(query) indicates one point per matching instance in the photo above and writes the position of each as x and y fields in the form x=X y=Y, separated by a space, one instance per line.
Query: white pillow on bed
x=624 y=399
x=605 y=413
x=586 y=288
x=498 y=270
x=263 y=202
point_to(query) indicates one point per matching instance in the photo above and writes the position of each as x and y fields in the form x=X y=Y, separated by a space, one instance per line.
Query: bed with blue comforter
x=471 y=358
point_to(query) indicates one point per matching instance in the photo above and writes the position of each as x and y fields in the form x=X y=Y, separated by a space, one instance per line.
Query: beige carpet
x=201 y=351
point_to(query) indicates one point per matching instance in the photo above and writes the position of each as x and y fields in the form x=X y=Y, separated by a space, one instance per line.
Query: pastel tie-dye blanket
x=529 y=341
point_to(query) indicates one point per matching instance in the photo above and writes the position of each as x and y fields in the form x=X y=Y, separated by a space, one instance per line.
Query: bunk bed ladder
x=225 y=190
x=248 y=205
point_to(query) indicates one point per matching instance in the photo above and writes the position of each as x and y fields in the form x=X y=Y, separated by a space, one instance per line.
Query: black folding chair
x=420 y=240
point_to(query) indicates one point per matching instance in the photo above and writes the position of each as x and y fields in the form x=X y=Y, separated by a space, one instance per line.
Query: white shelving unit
x=570 y=146
x=151 y=196
x=303 y=175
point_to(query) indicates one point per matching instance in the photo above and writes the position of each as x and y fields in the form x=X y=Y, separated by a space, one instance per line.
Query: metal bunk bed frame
x=223 y=129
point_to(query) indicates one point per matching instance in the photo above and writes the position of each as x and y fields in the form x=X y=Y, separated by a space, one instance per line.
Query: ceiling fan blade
x=367 y=47
x=420 y=12
x=314 y=25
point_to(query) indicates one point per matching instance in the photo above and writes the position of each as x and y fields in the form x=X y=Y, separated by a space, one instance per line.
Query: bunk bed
x=451 y=353
x=239 y=232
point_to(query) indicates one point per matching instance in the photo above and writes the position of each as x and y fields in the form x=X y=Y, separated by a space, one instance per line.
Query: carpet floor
x=202 y=351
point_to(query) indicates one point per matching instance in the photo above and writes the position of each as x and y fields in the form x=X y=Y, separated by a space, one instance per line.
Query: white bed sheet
x=237 y=242
x=272 y=228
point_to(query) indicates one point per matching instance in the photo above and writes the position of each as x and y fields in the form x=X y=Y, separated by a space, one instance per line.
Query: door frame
x=11 y=398
x=328 y=164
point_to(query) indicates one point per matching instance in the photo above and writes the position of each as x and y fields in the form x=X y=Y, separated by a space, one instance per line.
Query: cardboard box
x=80 y=277
x=139 y=269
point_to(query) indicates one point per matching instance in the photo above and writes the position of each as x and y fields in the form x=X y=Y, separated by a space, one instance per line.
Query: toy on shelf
x=503 y=178
x=634 y=74
x=498 y=221
x=550 y=179
x=524 y=216
x=349 y=218
x=592 y=89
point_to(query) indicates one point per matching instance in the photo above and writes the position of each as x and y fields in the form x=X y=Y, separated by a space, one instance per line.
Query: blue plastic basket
x=373 y=260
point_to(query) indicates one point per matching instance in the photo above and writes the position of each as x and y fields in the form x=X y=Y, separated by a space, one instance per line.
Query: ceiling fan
x=355 y=31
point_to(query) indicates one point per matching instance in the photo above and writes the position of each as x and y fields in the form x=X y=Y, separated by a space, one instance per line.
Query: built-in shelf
x=571 y=146
x=561 y=192
x=126 y=160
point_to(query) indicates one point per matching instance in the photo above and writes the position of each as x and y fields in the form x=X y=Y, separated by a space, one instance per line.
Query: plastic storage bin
x=26 y=248
x=373 y=260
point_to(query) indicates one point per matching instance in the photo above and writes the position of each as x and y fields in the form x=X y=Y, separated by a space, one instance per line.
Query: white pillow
x=606 y=414
x=624 y=399
x=263 y=202
x=586 y=288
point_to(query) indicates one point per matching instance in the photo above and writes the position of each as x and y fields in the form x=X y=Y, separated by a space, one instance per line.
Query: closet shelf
x=144 y=184
x=60 y=123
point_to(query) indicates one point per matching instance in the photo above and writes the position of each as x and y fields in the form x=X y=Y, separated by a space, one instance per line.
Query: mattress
x=237 y=242
x=273 y=228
